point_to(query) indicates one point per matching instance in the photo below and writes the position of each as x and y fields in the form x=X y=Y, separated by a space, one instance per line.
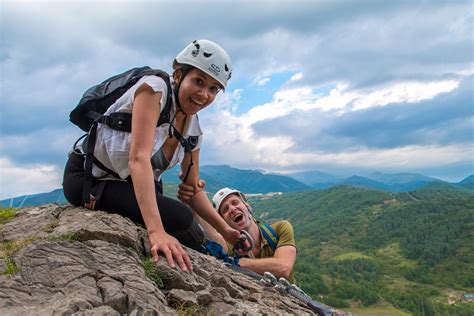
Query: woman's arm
x=145 y=115
x=201 y=204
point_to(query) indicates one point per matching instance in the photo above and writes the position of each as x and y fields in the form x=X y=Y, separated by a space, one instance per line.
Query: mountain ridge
x=254 y=181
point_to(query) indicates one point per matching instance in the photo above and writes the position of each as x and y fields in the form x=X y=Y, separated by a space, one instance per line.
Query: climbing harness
x=215 y=249
x=270 y=235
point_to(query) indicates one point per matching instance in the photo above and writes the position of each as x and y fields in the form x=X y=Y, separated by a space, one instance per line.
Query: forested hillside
x=360 y=247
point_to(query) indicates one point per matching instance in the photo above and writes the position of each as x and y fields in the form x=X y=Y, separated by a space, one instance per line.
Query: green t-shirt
x=286 y=237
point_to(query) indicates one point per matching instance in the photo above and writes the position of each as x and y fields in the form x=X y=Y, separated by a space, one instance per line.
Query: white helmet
x=208 y=57
x=222 y=194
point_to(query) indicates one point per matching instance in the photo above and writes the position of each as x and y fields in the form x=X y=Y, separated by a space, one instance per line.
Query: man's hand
x=186 y=192
x=245 y=244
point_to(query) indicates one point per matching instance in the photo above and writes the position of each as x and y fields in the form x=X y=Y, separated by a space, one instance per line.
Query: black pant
x=119 y=197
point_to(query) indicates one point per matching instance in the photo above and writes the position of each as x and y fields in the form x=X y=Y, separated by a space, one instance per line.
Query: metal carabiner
x=240 y=244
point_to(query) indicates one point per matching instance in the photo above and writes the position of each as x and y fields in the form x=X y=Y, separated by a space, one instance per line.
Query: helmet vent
x=195 y=51
x=226 y=68
x=207 y=55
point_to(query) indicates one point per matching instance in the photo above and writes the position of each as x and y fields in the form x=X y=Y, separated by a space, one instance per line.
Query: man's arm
x=210 y=232
x=279 y=265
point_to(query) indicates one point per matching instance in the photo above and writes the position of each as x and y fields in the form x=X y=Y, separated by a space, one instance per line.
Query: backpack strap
x=270 y=235
x=87 y=186
x=117 y=121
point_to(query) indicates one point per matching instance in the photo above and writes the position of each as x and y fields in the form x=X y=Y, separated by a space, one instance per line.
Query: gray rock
x=72 y=261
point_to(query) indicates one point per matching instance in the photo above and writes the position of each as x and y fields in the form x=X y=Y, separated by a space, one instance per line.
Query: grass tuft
x=51 y=226
x=7 y=214
x=152 y=272
x=11 y=268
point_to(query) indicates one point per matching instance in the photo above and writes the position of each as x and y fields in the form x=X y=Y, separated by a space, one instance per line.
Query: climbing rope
x=284 y=287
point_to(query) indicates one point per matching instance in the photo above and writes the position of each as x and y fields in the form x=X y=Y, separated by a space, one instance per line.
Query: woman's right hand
x=186 y=192
x=161 y=242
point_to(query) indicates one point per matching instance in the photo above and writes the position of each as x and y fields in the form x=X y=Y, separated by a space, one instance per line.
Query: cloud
x=342 y=100
x=27 y=179
x=302 y=129
x=409 y=92
x=263 y=81
x=359 y=77
x=296 y=77
x=44 y=146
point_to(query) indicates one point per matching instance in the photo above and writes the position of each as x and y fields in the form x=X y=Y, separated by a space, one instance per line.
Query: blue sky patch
x=254 y=94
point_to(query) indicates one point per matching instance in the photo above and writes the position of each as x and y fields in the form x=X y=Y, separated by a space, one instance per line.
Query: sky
x=343 y=87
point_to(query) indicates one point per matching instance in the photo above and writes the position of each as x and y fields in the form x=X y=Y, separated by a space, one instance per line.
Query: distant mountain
x=250 y=181
x=172 y=177
x=257 y=181
x=400 y=182
x=363 y=182
x=56 y=196
x=316 y=179
x=358 y=181
x=467 y=183
x=216 y=177
x=399 y=178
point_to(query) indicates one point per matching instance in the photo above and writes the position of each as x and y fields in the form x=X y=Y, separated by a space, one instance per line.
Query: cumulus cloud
x=342 y=100
x=27 y=179
x=302 y=129
x=373 y=63
x=409 y=92
x=48 y=145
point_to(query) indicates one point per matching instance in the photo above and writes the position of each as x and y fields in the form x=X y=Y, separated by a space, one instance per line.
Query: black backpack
x=97 y=99
x=95 y=102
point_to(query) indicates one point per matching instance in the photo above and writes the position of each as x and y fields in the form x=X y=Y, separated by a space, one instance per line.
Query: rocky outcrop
x=61 y=260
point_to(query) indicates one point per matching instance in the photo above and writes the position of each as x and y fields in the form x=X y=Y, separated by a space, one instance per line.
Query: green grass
x=392 y=260
x=382 y=309
x=193 y=310
x=350 y=256
x=11 y=268
x=49 y=228
x=7 y=214
x=152 y=272
x=9 y=248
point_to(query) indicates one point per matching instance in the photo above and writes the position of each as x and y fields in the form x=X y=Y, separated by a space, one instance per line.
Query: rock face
x=61 y=260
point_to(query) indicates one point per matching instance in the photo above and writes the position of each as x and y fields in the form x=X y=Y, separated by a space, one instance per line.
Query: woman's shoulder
x=157 y=83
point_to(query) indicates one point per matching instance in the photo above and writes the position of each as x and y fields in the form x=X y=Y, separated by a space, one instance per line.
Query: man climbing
x=274 y=245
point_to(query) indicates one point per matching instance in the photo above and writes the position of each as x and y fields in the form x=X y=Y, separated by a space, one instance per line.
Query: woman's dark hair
x=185 y=69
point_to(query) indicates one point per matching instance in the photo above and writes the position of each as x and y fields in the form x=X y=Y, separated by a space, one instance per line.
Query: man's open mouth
x=237 y=218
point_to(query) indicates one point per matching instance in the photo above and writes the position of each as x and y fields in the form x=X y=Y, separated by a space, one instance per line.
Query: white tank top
x=112 y=147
